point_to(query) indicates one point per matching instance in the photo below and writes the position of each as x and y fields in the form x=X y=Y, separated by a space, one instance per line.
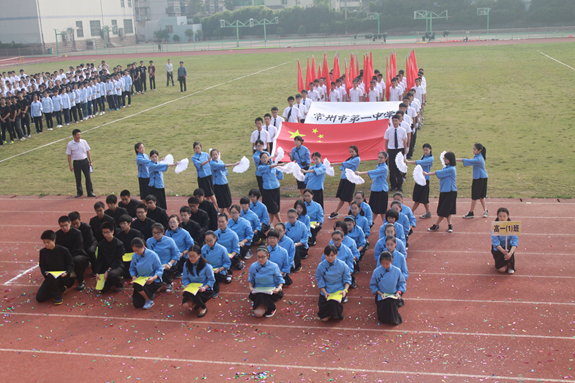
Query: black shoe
x=304 y=256
x=118 y=289
x=92 y=195
x=391 y=190
x=203 y=314
x=58 y=301
x=469 y=214
x=270 y=313
x=78 y=195
x=353 y=285
x=433 y=228
x=312 y=243
x=297 y=269
x=450 y=229
x=81 y=286
x=333 y=215
x=400 y=189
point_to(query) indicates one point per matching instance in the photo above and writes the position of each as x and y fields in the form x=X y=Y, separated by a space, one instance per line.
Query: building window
x=128 y=26
x=115 y=27
x=79 y=29
x=130 y=3
x=122 y=4
x=95 y=29
x=170 y=28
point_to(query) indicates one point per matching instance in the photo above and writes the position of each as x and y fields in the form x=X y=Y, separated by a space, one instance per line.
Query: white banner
x=350 y=112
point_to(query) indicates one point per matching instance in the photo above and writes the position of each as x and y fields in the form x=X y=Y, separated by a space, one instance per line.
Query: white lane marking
x=557 y=61
x=19 y=275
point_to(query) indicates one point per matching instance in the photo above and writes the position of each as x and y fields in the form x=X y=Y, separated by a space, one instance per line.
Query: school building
x=68 y=25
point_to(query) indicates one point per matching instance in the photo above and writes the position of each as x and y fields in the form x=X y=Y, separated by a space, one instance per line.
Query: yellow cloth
x=193 y=288
x=127 y=257
x=336 y=296
x=141 y=280
x=101 y=281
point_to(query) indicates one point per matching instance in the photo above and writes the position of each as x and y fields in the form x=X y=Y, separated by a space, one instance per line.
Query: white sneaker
x=485 y=214
x=510 y=270
x=169 y=287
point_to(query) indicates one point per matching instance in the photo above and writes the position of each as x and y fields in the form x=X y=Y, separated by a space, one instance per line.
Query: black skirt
x=387 y=310
x=300 y=185
x=499 y=258
x=160 y=196
x=479 y=188
x=345 y=190
x=207 y=185
x=318 y=196
x=447 y=204
x=260 y=180
x=199 y=299
x=421 y=193
x=144 y=192
x=223 y=196
x=266 y=299
x=378 y=202
x=271 y=198
x=333 y=309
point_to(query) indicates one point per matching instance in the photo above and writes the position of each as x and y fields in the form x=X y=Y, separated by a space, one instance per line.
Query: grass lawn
x=512 y=99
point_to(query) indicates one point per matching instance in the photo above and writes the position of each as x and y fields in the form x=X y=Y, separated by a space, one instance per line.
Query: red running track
x=463 y=321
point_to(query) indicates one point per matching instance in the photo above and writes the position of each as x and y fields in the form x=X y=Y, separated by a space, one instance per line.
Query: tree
x=319 y=3
x=196 y=19
x=230 y=5
x=190 y=34
x=176 y=38
x=199 y=35
x=324 y=28
x=194 y=7
x=161 y=35
x=301 y=30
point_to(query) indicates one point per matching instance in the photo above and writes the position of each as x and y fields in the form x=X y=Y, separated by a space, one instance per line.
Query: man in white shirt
x=272 y=130
x=395 y=142
x=301 y=106
x=291 y=113
x=334 y=95
x=312 y=93
x=355 y=94
x=259 y=134
x=373 y=93
x=320 y=92
x=78 y=151
x=381 y=86
x=276 y=120
x=169 y=73
x=306 y=100
x=394 y=91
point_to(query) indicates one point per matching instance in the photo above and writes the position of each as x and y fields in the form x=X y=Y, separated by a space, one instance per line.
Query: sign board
x=350 y=112
x=506 y=228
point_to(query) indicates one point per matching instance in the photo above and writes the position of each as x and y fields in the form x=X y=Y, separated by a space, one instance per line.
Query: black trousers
x=144 y=191
x=80 y=111
x=114 y=279
x=395 y=176
x=220 y=278
x=168 y=275
x=81 y=263
x=182 y=81
x=58 y=115
x=199 y=299
x=7 y=127
x=300 y=253
x=169 y=76
x=52 y=288
x=314 y=232
x=67 y=116
x=412 y=143
x=150 y=289
x=124 y=95
x=25 y=121
x=38 y=123
x=49 y=122
x=82 y=166
x=143 y=84
x=111 y=102
x=153 y=83
x=266 y=300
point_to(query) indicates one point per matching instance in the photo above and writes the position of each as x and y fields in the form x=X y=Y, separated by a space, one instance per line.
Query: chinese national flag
x=300 y=85
x=333 y=140
x=308 y=75
x=326 y=75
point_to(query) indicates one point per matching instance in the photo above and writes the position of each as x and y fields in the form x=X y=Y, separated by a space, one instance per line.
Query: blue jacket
x=306 y=221
x=157 y=174
x=268 y=275
x=399 y=262
x=197 y=159
x=205 y=277
x=217 y=256
x=182 y=238
x=344 y=254
x=379 y=177
x=314 y=212
x=332 y=276
x=257 y=162
x=287 y=243
x=388 y=281
x=57 y=103
x=410 y=216
x=143 y=161
x=497 y=240
x=352 y=163
x=229 y=240
x=357 y=235
x=165 y=248
x=350 y=243
x=47 y=105
x=478 y=164
x=447 y=179
x=301 y=156
x=36 y=109
x=65 y=101
x=252 y=218
x=279 y=256
x=426 y=162
x=399 y=230
x=361 y=222
x=261 y=211
x=315 y=180
x=367 y=212
x=270 y=177
x=297 y=233
x=219 y=172
x=147 y=265
x=242 y=228
x=380 y=247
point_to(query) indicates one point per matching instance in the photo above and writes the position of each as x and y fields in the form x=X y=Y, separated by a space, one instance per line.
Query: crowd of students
x=49 y=100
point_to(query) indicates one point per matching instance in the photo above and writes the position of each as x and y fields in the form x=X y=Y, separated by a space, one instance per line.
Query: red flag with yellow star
x=334 y=140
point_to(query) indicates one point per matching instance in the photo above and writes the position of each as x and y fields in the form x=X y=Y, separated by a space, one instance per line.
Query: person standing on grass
x=421 y=193
x=152 y=74
x=182 y=74
x=36 y=114
x=479 y=185
x=169 y=73
x=503 y=247
x=447 y=192
x=78 y=151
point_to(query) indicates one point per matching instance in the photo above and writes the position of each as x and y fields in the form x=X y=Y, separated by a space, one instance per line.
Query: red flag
x=313 y=72
x=352 y=68
x=333 y=140
x=318 y=71
x=300 y=85
x=365 y=75
x=347 y=79
x=308 y=75
x=336 y=73
x=326 y=75
x=414 y=61
x=387 y=78
x=408 y=73
x=357 y=64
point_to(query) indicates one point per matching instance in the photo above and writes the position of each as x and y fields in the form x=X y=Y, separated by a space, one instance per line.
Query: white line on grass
x=147 y=110
x=19 y=275
x=557 y=60
x=290 y=366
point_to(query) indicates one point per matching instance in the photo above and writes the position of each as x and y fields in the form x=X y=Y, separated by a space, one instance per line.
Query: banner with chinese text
x=350 y=112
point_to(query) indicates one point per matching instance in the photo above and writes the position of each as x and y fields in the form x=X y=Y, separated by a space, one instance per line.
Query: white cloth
x=302 y=109
x=78 y=150
x=394 y=93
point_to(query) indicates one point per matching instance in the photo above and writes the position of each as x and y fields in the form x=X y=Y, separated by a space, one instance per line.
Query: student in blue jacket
x=298 y=233
x=385 y=281
x=197 y=270
x=315 y=177
x=447 y=192
x=315 y=214
x=503 y=247
x=271 y=186
x=229 y=239
x=156 y=185
x=346 y=188
x=356 y=233
x=279 y=256
x=252 y=218
x=302 y=216
x=378 y=197
x=421 y=193
x=200 y=160
x=402 y=219
x=360 y=220
x=286 y=243
x=217 y=256
x=344 y=254
x=243 y=229
x=331 y=276
x=261 y=211
x=479 y=184
x=220 y=173
x=398 y=258
x=183 y=241
x=366 y=210
x=392 y=216
x=265 y=273
x=300 y=154
x=145 y=263
x=380 y=246
x=142 y=161
x=256 y=158
x=168 y=252
x=398 y=196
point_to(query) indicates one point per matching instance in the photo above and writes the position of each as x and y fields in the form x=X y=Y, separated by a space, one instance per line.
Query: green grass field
x=510 y=98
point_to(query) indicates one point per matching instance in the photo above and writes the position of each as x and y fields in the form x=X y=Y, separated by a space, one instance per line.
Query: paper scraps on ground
x=183 y=165
x=401 y=165
x=141 y=280
x=168 y=160
x=442 y=158
x=294 y=169
x=101 y=281
x=193 y=288
x=353 y=178
x=418 y=176
x=243 y=165
x=328 y=168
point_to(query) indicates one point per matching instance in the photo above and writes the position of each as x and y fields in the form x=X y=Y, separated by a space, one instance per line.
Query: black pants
x=49 y=122
x=314 y=232
x=114 y=279
x=52 y=288
x=395 y=176
x=38 y=123
x=412 y=143
x=124 y=95
x=143 y=84
x=200 y=298
x=7 y=127
x=82 y=166
x=153 y=83
x=182 y=80
x=266 y=300
x=111 y=102
x=160 y=196
x=25 y=121
x=137 y=85
x=170 y=76
x=81 y=263
x=220 y=278
x=67 y=118
x=144 y=190
x=150 y=289
x=58 y=116
x=80 y=111
x=300 y=253
x=168 y=275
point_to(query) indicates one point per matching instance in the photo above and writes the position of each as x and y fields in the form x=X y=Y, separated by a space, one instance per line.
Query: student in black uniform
x=114 y=210
x=71 y=239
x=126 y=234
x=128 y=203
x=208 y=207
x=97 y=221
x=142 y=223
x=156 y=213
x=54 y=258
x=190 y=226
x=198 y=215
x=88 y=240
x=109 y=263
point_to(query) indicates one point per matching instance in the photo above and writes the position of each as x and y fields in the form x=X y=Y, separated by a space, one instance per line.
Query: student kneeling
x=54 y=259
x=388 y=284
x=265 y=284
x=146 y=271
x=109 y=261
x=197 y=272
x=333 y=278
